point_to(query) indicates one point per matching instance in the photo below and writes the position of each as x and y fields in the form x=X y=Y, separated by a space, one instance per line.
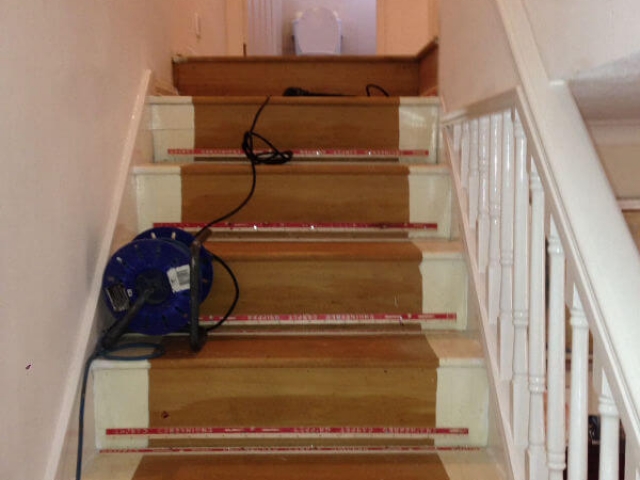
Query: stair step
x=342 y=277
x=366 y=322
x=306 y=193
x=419 y=464
x=249 y=391
x=347 y=75
x=334 y=154
x=318 y=123
x=309 y=230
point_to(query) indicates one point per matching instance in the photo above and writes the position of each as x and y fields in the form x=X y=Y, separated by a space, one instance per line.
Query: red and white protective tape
x=334 y=318
x=417 y=449
x=304 y=152
x=289 y=432
x=303 y=226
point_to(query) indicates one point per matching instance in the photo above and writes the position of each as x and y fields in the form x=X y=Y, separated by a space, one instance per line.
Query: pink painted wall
x=70 y=73
x=212 y=17
x=475 y=58
x=406 y=26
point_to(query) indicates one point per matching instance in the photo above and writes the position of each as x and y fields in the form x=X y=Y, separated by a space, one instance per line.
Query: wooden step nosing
x=319 y=168
x=288 y=59
x=300 y=450
x=211 y=432
x=329 y=250
x=317 y=227
x=334 y=319
x=308 y=153
x=257 y=100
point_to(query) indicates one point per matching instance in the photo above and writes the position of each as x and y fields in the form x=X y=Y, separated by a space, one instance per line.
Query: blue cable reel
x=149 y=284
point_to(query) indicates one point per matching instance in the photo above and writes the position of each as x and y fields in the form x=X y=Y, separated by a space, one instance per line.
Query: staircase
x=352 y=352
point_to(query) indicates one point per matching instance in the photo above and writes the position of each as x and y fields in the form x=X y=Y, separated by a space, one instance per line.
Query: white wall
x=213 y=33
x=406 y=26
x=358 y=23
x=475 y=60
x=70 y=72
x=578 y=35
x=618 y=146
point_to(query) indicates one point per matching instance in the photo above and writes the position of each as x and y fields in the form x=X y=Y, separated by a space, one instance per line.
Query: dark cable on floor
x=157 y=350
x=373 y=86
x=273 y=156
x=236 y=297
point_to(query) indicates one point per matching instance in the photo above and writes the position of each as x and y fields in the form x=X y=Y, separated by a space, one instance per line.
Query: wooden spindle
x=483 y=194
x=495 y=187
x=505 y=328
x=537 y=341
x=609 y=433
x=578 y=427
x=520 y=387
x=464 y=156
x=457 y=137
x=474 y=179
x=556 y=359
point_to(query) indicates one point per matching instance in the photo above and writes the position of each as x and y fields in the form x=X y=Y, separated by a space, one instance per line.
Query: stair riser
x=311 y=194
x=187 y=123
x=225 y=76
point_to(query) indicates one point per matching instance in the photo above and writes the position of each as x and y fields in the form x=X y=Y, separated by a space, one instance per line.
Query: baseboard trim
x=65 y=430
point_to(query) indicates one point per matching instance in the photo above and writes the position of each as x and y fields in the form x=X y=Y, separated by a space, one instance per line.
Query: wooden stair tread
x=439 y=465
x=347 y=74
x=283 y=468
x=311 y=59
x=353 y=351
x=355 y=250
x=296 y=101
x=321 y=192
x=275 y=467
x=306 y=168
x=298 y=122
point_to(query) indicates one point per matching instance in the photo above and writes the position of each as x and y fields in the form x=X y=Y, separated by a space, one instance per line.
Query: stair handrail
x=603 y=269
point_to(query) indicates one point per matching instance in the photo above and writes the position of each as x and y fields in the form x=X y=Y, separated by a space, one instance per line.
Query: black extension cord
x=301 y=92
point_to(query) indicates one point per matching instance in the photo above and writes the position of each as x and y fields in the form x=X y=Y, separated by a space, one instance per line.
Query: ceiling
x=610 y=92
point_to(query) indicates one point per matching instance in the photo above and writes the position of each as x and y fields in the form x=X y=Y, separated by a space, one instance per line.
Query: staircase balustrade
x=536 y=315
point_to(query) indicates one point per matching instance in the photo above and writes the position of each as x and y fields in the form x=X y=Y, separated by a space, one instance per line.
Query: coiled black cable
x=273 y=156
x=157 y=350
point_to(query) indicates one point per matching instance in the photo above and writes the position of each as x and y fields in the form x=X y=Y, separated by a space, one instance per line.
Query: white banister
x=522 y=303
x=474 y=177
x=609 y=433
x=556 y=360
x=578 y=406
x=505 y=329
x=520 y=387
x=464 y=156
x=495 y=167
x=483 y=194
x=537 y=342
